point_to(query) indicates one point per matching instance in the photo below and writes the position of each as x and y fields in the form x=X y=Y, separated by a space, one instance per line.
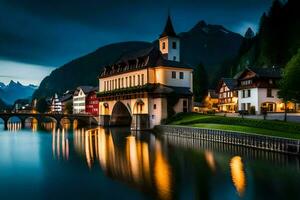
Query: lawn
x=261 y=127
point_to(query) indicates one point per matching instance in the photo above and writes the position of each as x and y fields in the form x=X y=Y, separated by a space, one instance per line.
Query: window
x=181 y=75
x=133 y=78
x=249 y=93
x=243 y=94
x=116 y=84
x=174 y=45
x=269 y=92
x=138 y=79
x=163 y=45
x=154 y=106
x=130 y=81
x=174 y=75
x=126 y=82
x=122 y=82
x=243 y=106
x=174 y=58
x=142 y=79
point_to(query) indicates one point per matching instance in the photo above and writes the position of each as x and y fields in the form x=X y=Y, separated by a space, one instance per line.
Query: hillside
x=204 y=43
x=277 y=39
x=15 y=90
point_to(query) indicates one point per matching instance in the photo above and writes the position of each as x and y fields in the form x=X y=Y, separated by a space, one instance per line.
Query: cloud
x=22 y=72
x=51 y=33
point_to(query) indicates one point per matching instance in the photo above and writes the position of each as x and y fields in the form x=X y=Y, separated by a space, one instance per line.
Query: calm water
x=115 y=164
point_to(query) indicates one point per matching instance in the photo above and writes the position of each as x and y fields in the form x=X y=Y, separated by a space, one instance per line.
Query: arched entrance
x=120 y=115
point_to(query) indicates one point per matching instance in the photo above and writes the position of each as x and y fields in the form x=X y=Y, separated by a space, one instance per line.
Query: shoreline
x=269 y=143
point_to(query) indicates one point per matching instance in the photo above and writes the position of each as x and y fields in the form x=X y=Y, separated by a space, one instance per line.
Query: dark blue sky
x=49 y=33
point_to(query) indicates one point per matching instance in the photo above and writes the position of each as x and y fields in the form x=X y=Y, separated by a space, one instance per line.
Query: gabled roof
x=231 y=83
x=271 y=72
x=168 y=30
x=86 y=89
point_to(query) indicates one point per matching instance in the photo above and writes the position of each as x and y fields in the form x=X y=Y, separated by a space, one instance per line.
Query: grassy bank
x=261 y=127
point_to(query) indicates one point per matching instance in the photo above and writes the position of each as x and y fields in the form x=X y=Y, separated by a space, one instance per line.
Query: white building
x=56 y=106
x=145 y=87
x=79 y=99
x=257 y=90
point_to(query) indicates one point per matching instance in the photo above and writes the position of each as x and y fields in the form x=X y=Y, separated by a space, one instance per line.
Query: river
x=98 y=163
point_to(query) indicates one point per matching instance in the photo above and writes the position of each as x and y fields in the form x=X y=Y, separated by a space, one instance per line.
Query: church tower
x=169 y=42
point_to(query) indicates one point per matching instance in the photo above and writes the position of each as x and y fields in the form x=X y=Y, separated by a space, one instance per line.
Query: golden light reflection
x=129 y=162
x=209 y=157
x=238 y=175
x=14 y=126
x=60 y=144
x=162 y=174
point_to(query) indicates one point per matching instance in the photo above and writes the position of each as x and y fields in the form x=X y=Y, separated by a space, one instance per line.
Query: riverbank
x=274 y=128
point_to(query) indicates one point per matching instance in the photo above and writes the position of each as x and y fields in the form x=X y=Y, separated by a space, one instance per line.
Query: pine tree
x=200 y=83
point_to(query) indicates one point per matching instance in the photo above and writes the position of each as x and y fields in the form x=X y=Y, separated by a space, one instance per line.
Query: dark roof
x=66 y=97
x=168 y=30
x=148 y=57
x=163 y=89
x=85 y=89
x=230 y=83
x=271 y=72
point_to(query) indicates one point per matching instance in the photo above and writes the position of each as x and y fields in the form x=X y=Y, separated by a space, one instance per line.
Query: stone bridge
x=82 y=119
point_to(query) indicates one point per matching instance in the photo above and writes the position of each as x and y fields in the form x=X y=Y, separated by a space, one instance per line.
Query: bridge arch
x=121 y=115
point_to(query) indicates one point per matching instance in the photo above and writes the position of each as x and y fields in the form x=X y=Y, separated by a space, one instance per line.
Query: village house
x=55 y=104
x=209 y=104
x=228 y=96
x=84 y=101
x=92 y=102
x=144 y=87
x=67 y=102
x=258 y=88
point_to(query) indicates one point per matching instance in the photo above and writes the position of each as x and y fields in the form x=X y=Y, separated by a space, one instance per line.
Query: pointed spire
x=168 y=30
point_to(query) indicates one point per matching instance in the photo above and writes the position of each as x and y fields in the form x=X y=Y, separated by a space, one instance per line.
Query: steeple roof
x=169 y=30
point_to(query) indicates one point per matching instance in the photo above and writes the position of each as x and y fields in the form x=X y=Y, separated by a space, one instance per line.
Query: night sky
x=38 y=35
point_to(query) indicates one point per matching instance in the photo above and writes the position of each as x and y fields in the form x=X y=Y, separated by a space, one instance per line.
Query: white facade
x=79 y=102
x=169 y=76
x=258 y=98
x=170 y=46
x=56 y=105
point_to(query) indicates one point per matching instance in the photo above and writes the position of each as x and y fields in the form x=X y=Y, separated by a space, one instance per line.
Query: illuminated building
x=143 y=86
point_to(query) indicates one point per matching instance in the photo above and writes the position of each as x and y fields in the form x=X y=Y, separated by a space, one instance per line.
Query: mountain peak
x=2 y=85
x=249 y=33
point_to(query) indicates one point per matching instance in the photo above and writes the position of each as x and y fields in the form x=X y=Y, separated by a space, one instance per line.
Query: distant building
x=228 y=97
x=258 y=88
x=144 y=87
x=80 y=97
x=55 y=106
x=22 y=106
x=92 y=102
x=67 y=102
x=209 y=104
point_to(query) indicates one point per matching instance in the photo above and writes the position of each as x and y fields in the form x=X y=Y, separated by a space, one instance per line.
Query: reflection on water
x=238 y=174
x=130 y=162
x=157 y=168
x=14 y=126
x=60 y=144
